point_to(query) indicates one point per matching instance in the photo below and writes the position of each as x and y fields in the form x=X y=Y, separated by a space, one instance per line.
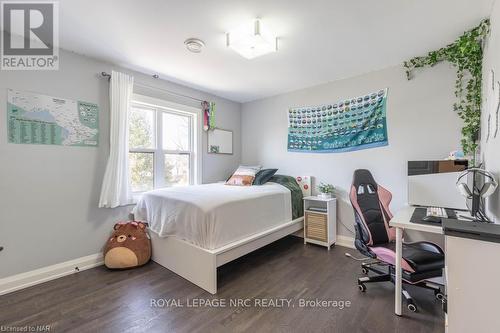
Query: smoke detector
x=194 y=45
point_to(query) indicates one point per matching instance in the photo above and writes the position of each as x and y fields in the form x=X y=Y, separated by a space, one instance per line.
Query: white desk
x=401 y=221
x=472 y=287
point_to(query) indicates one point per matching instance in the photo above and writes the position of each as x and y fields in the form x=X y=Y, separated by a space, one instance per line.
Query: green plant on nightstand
x=325 y=190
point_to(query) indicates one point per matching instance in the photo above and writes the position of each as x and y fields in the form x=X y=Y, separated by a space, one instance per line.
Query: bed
x=195 y=229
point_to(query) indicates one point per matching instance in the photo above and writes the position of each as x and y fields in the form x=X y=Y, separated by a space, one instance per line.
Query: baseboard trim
x=345 y=241
x=44 y=274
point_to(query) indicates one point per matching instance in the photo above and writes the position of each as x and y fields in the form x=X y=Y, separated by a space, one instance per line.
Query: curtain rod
x=107 y=75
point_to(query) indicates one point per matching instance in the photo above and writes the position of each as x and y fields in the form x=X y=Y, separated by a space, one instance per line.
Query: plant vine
x=466 y=54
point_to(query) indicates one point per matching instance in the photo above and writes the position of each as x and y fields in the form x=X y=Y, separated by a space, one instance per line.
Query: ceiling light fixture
x=194 y=44
x=252 y=40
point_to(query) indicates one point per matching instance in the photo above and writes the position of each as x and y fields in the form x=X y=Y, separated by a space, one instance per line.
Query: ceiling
x=320 y=40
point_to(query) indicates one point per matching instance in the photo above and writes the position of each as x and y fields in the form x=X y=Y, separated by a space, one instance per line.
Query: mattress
x=214 y=215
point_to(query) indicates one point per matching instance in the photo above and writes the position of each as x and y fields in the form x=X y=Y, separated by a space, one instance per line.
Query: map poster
x=346 y=125
x=40 y=119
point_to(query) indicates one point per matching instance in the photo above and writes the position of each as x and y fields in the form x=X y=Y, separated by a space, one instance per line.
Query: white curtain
x=115 y=189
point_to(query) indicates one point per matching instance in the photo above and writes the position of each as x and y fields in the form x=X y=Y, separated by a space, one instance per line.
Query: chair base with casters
x=388 y=275
x=375 y=239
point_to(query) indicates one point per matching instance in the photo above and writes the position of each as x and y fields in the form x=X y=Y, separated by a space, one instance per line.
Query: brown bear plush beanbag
x=129 y=246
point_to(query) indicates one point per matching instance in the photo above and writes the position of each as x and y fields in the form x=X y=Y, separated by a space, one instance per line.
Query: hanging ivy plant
x=466 y=54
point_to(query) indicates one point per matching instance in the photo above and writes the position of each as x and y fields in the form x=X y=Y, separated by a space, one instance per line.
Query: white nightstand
x=320 y=226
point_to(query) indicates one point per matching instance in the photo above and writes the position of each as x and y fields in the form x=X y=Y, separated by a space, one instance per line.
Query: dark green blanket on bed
x=291 y=184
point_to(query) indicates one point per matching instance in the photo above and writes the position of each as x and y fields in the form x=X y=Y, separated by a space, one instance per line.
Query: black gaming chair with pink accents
x=375 y=239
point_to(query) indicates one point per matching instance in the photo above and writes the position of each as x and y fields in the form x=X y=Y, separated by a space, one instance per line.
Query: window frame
x=160 y=107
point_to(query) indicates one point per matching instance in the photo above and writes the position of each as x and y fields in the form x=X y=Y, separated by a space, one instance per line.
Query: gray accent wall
x=490 y=151
x=421 y=126
x=49 y=194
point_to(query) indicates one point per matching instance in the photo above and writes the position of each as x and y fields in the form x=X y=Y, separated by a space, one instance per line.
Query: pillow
x=263 y=176
x=243 y=176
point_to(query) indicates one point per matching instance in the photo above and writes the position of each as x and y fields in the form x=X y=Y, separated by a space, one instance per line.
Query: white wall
x=490 y=150
x=421 y=125
x=49 y=194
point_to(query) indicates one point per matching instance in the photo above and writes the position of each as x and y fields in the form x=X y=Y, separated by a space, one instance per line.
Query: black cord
x=348 y=229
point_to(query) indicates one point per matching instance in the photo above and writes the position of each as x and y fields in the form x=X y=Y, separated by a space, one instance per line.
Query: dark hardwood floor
x=100 y=300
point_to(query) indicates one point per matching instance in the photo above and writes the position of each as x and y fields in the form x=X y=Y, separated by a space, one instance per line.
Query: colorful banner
x=351 y=124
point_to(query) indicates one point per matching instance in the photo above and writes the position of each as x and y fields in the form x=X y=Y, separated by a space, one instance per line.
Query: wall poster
x=40 y=119
x=347 y=125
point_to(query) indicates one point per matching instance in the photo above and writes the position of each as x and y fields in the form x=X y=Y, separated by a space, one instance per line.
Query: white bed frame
x=199 y=265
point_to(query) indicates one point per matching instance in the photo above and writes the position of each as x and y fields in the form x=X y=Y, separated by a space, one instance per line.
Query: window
x=162 y=145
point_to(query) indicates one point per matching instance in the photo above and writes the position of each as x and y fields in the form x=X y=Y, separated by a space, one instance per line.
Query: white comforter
x=214 y=215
